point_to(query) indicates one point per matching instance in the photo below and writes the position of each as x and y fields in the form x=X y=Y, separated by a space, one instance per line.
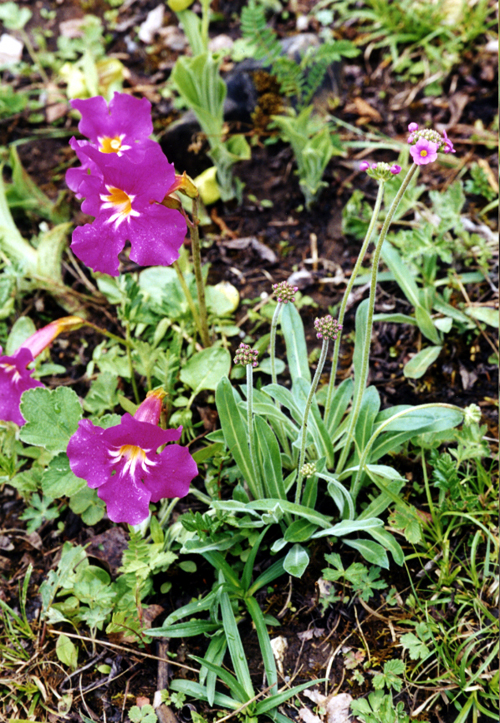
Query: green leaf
x=206 y=369
x=13 y=16
x=59 y=481
x=347 y=526
x=102 y=396
x=370 y=407
x=417 y=649
x=387 y=540
x=87 y=504
x=51 y=416
x=296 y=561
x=371 y=551
x=359 y=342
x=238 y=657
x=235 y=431
x=67 y=652
x=340 y=400
x=184 y=630
x=295 y=340
x=232 y=683
x=485 y=314
x=268 y=452
x=300 y=531
x=418 y=365
x=21 y=330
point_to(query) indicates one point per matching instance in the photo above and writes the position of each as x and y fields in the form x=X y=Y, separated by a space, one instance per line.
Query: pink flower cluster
x=245 y=355
x=124 y=465
x=327 y=327
x=426 y=144
x=285 y=292
x=123 y=179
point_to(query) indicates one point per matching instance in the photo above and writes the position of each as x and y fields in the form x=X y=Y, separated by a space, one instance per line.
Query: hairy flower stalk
x=355 y=271
x=356 y=405
x=248 y=358
x=200 y=286
x=285 y=294
x=327 y=328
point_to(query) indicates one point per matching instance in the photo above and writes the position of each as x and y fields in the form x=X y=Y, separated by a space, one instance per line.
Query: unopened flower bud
x=308 y=469
x=413 y=127
x=245 y=355
x=472 y=415
x=395 y=169
x=285 y=292
x=327 y=327
x=364 y=166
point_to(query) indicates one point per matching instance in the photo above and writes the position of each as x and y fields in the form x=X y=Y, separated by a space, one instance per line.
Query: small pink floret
x=395 y=169
x=413 y=127
x=364 y=166
x=424 y=152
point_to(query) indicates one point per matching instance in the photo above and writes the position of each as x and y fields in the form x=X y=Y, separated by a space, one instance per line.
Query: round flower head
x=126 y=202
x=424 y=152
x=308 y=469
x=245 y=355
x=382 y=171
x=124 y=464
x=327 y=327
x=413 y=127
x=285 y=292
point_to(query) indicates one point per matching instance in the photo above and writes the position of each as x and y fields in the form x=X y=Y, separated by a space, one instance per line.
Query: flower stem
x=355 y=271
x=274 y=326
x=360 y=388
x=131 y=365
x=189 y=296
x=251 y=444
x=109 y=334
x=312 y=391
x=200 y=286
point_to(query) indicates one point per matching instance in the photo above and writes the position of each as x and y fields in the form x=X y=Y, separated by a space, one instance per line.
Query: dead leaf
x=362 y=108
x=11 y=50
x=336 y=706
x=308 y=716
x=152 y=24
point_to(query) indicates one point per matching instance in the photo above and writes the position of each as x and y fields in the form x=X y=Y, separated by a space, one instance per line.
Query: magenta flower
x=126 y=202
x=124 y=465
x=119 y=128
x=413 y=127
x=424 y=152
x=448 y=145
x=364 y=166
x=15 y=377
x=395 y=169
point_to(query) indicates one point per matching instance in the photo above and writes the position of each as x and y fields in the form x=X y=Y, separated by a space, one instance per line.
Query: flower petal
x=157 y=236
x=89 y=455
x=172 y=474
x=98 y=244
x=126 y=500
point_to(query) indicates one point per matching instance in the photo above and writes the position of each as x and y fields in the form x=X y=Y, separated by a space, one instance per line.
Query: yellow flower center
x=111 y=145
x=423 y=153
x=134 y=455
x=121 y=202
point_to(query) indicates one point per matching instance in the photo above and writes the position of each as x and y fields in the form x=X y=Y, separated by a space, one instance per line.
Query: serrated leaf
x=416 y=648
x=58 y=480
x=51 y=416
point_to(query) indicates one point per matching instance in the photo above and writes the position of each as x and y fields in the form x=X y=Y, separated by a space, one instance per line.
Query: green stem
x=165 y=513
x=110 y=335
x=312 y=391
x=131 y=366
x=189 y=296
x=355 y=271
x=251 y=444
x=200 y=286
x=274 y=326
x=280 y=432
x=34 y=56
x=360 y=388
